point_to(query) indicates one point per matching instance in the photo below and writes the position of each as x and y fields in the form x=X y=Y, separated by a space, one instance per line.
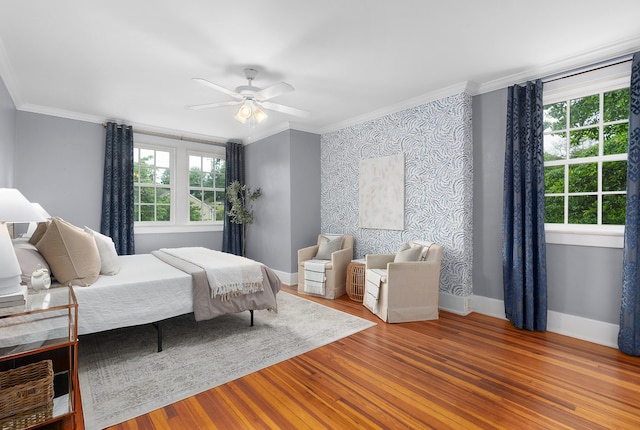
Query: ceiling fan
x=252 y=100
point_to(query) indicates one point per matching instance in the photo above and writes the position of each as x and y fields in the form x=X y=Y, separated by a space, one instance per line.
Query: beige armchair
x=408 y=291
x=335 y=268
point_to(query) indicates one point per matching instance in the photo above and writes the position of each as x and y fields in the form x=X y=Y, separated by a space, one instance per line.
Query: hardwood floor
x=455 y=372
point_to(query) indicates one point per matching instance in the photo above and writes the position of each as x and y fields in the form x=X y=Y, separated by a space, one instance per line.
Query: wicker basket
x=355 y=281
x=25 y=388
x=28 y=418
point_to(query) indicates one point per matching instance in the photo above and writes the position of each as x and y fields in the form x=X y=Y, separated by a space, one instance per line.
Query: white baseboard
x=602 y=333
x=287 y=278
x=599 y=332
x=455 y=304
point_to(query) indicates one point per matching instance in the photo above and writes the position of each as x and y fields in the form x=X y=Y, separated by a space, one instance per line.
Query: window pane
x=584 y=143
x=555 y=116
x=147 y=213
x=616 y=138
x=136 y=194
x=163 y=213
x=196 y=195
x=162 y=176
x=147 y=195
x=220 y=173
x=613 y=209
x=146 y=156
x=583 y=209
x=207 y=179
x=585 y=111
x=163 y=159
x=163 y=195
x=583 y=178
x=146 y=173
x=220 y=205
x=554 y=179
x=555 y=146
x=616 y=105
x=136 y=213
x=195 y=177
x=207 y=164
x=195 y=210
x=614 y=176
x=554 y=210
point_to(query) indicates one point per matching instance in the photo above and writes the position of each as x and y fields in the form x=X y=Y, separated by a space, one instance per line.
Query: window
x=586 y=125
x=152 y=185
x=206 y=188
x=179 y=185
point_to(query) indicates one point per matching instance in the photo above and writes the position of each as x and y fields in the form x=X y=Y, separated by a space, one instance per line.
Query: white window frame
x=180 y=149
x=171 y=185
x=202 y=155
x=593 y=82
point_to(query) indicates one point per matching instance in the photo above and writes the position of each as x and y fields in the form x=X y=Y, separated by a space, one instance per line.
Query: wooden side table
x=355 y=280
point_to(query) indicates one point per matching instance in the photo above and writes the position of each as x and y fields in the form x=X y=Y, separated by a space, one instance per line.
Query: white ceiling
x=349 y=60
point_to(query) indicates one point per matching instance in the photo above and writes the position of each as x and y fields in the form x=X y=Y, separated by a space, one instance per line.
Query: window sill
x=167 y=229
x=600 y=236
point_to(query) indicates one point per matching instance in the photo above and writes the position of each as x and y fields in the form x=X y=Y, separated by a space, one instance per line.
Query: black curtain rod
x=173 y=136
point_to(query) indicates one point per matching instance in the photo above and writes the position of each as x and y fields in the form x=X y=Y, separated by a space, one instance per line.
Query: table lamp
x=14 y=207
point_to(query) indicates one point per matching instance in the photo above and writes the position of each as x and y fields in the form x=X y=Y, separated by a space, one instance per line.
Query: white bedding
x=144 y=291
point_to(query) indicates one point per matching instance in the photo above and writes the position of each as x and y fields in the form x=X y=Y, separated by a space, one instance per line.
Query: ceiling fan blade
x=218 y=88
x=214 y=105
x=285 y=109
x=273 y=91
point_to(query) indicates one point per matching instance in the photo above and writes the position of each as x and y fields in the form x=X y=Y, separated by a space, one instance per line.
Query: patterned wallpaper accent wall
x=436 y=139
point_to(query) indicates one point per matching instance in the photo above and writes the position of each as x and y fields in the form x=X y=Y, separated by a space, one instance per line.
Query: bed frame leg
x=251 y=310
x=159 y=330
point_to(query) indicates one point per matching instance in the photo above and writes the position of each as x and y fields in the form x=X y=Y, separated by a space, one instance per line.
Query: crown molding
x=583 y=59
x=407 y=104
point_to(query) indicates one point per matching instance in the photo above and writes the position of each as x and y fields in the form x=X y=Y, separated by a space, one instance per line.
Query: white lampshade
x=14 y=207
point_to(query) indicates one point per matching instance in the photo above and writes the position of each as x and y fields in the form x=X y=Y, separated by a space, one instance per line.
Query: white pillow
x=408 y=253
x=108 y=255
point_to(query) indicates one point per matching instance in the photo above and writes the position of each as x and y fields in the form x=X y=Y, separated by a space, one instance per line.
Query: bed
x=148 y=290
x=144 y=288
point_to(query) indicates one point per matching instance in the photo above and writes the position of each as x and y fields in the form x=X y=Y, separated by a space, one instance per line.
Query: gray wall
x=7 y=137
x=582 y=281
x=286 y=166
x=58 y=163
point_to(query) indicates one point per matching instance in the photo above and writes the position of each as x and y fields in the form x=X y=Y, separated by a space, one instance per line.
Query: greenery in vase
x=241 y=212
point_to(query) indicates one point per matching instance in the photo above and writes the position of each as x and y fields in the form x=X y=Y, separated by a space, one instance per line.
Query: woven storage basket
x=355 y=281
x=27 y=387
x=28 y=418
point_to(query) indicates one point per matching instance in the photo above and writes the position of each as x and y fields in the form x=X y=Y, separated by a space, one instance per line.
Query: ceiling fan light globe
x=244 y=113
x=240 y=118
x=260 y=115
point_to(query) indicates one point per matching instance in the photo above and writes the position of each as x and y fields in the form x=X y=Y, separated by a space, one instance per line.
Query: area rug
x=122 y=376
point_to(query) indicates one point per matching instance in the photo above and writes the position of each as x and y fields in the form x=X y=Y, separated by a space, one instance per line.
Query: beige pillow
x=408 y=253
x=109 y=264
x=39 y=232
x=72 y=253
x=328 y=245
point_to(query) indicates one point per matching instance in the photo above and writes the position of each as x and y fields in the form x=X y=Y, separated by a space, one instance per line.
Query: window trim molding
x=179 y=209
x=600 y=80
x=603 y=236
